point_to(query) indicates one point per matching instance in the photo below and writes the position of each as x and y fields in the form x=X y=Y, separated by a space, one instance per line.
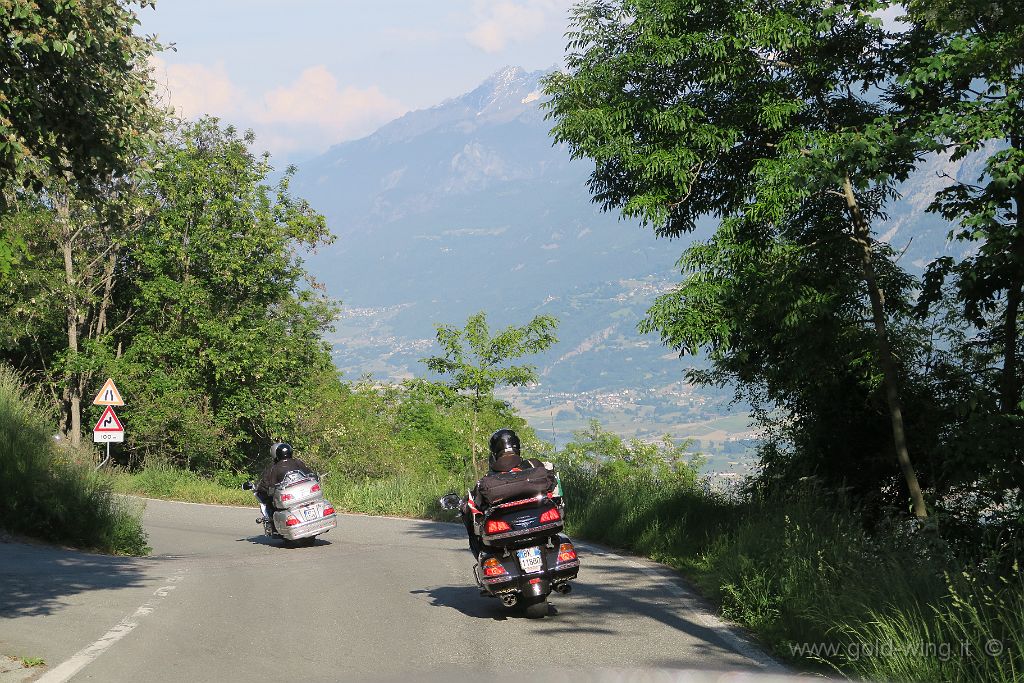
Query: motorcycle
x=523 y=556
x=300 y=512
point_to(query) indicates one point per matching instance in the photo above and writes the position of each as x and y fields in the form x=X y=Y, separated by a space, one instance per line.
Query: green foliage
x=76 y=92
x=185 y=285
x=801 y=569
x=768 y=119
x=478 y=362
x=474 y=358
x=964 y=80
x=53 y=494
x=224 y=324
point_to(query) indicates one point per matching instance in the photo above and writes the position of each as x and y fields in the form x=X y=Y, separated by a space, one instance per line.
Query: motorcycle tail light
x=328 y=511
x=286 y=496
x=566 y=553
x=315 y=488
x=496 y=525
x=292 y=521
x=550 y=516
x=492 y=567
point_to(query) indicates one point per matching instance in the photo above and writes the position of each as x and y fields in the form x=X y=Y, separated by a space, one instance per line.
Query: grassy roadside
x=52 y=493
x=401 y=495
x=804 y=575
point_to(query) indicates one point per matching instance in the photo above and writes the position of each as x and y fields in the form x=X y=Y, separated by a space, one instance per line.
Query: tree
x=61 y=303
x=185 y=285
x=765 y=115
x=476 y=361
x=76 y=89
x=226 y=331
x=965 y=83
x=75 y=101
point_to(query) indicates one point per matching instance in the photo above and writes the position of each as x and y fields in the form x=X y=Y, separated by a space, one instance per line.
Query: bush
x=52 y=493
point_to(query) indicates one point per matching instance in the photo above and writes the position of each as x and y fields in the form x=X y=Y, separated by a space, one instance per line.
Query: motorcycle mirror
x=247 y=486
x=449 y=501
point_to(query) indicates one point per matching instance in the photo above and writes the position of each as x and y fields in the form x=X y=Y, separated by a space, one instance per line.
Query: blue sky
x=306 y=74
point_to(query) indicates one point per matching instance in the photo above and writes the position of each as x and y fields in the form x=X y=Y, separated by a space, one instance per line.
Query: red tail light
x=292 y=521
x=566 y=553
x=315 y=488
x=492 y=567
x=286 y=496
x=550 y=516
x=328 y=511
x=496 y=525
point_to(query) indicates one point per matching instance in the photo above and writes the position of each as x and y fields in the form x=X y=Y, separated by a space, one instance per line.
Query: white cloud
x=196 y=89
x=316 y=100
x=511 y=21
x=309 y=114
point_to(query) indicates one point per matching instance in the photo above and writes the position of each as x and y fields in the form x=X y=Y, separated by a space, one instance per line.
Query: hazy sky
x=306 y=74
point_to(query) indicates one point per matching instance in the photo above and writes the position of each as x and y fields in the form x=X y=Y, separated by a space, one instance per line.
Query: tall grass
x=403 y=494
x=803 y=573
x=52 y=493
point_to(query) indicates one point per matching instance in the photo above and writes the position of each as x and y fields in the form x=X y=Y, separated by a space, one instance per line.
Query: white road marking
x=86 y=655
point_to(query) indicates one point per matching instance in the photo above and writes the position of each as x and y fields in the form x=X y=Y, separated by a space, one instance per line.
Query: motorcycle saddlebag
x=498 y=488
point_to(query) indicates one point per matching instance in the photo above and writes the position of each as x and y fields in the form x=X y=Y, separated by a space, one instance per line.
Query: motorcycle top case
x=500 y=487
x=534 y=519
x=294 y=491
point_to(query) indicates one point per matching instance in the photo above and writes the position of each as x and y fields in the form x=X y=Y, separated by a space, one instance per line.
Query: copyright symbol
x=993 y=647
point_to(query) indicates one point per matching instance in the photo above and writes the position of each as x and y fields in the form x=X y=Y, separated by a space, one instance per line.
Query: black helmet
x=505 y=450
x=281 y=451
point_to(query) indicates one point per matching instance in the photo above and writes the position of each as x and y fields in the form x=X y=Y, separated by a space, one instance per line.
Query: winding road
x=378 y=598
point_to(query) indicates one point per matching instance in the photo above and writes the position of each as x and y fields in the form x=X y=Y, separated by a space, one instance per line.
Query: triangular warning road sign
x=108 y=422
x=109 y=395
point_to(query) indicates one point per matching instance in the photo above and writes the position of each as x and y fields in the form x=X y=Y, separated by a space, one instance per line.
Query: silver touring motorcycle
x=300 y=513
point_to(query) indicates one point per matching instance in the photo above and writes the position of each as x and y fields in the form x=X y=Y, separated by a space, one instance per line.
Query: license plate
x=530 y=560
x=310 y=513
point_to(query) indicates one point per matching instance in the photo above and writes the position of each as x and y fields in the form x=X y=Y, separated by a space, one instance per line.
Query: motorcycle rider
x=284 y=462
x=505 y=456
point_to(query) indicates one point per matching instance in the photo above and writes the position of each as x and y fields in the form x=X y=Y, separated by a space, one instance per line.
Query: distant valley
x=467 y=206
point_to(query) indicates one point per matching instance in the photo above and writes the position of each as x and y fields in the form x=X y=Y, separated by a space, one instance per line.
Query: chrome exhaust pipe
x=564 y=588
x=509 y=599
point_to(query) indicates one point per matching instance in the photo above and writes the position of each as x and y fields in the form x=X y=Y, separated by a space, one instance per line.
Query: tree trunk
x=885 y=359
x=1010 y=389
x=72 y=388
x=476 y=461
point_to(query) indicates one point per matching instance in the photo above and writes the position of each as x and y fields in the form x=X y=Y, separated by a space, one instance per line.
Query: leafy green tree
x=76 y=88
x=185 y=285
x=765 y=116
x=75 y=99
x=477 y=361
x=965 y=90
x=61 y=298
x=613 y=460
x=224 y=317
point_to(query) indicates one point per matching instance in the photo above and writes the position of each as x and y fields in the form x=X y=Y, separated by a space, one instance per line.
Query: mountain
x=468 y=206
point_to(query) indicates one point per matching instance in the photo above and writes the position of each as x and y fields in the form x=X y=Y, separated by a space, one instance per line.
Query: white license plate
x=530 y=560
x=311 y=513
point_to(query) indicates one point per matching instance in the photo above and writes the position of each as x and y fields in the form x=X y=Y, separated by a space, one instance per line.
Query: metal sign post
x=108 y=428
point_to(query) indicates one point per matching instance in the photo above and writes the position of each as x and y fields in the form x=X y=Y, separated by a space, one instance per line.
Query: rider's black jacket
x=273 y=475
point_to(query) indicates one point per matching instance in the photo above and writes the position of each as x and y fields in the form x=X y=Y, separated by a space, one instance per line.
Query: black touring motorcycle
x=524 y=556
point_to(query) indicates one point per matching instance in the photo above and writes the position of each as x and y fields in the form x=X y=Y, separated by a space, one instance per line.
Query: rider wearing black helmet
x=505 y=456
x=284 y=462
x=505 y=451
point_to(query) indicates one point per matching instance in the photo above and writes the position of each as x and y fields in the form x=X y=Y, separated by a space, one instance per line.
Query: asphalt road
x=375 y=599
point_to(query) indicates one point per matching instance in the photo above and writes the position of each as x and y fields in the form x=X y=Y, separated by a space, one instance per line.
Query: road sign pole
x=106 y=458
